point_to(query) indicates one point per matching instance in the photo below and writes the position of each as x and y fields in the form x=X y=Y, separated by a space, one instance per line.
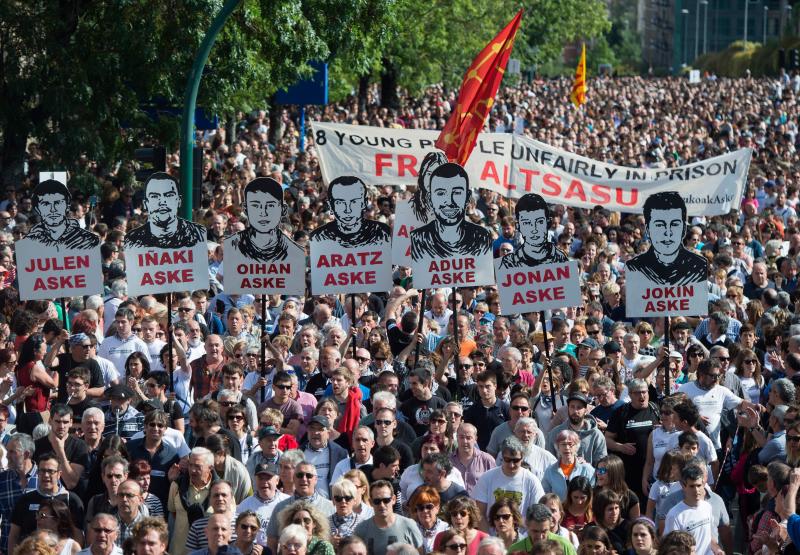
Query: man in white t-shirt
x=118 y=347
x=710 y=398
x=694 y=514
x=508 y=481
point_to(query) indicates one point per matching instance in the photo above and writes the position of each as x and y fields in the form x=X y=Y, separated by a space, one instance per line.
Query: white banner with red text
x=513 y=165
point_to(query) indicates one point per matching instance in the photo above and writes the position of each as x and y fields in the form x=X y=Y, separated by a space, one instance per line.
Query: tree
x=74 y=74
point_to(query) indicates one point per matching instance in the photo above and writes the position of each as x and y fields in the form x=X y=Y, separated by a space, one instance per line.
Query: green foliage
x=734 y=61
x=74 y=73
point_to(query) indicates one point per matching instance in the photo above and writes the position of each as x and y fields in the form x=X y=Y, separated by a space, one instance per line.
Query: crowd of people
x=359 y=425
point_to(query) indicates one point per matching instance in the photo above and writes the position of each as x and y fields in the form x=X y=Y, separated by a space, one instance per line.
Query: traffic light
x=150 y=160
x=794 y=58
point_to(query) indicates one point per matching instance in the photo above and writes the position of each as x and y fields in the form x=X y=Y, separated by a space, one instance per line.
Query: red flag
x=476 y=97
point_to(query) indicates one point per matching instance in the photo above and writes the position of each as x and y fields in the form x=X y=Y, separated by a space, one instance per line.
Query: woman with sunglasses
x=344 y=520
x=695 y=354
x=359 y=480
x=662 y=439
x=610 y=473
x=424 y=508
x=506 y=521
x=236 y=422
x=54 y=515
x=453 y=542
x=248 y=524
x=315 y=524
x=463 y=517
x=746 y=375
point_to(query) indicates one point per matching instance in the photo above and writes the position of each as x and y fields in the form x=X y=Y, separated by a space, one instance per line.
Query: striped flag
x=579 y=88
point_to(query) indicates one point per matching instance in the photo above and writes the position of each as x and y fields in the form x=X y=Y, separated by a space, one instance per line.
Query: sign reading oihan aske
x=57 y=258
x=167 y=254
x=350 y=254
x=668 y=279
x=261 y=259
x=537 y=276
x=449 y=251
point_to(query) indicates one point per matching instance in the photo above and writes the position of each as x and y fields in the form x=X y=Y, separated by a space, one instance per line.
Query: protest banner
x=350 y=254
x=405 y=221
x=166 y=254
x=57 y=258
x=514 y=165
x=261 y=259
x=537 y=276
x=450 y=251
x=668 y=279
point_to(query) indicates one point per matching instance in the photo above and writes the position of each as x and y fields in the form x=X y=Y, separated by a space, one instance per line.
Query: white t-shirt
x=411 y=479
x=663 y=441
x=155 y=359
x=524 y=488
x=697 y=521
x=118 y=350
x=263 y=509
x=538 y=460
x=710 y=403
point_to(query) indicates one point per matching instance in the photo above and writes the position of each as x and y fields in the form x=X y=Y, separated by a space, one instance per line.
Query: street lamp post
x=746 y=5
x=685 y=15
x=696 y=29
x=705 y=25
x=766 y=9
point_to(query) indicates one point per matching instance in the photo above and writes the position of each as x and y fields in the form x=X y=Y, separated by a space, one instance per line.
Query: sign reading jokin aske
x=537 y=276
x=167 y=254
x=449 y=251
x=57 y=258
x=667 y=279
x=350 y=254
x=261 y=259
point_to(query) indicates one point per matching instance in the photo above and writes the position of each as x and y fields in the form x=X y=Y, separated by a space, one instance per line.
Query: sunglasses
x=283 y=387
x=792 y=438
x=342 y=498
x=381 y=500
x=457 y=546
x=603 y=470
x=304 y=520
x=363 y=359
x=235 y=417
x=504 y=517
x=306 y=475
x=521 y=408
x=384 y=422
x=512 y=460
x=425 y=507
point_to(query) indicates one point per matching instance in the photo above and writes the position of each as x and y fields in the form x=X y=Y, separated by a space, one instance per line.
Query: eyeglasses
x=512 y=460
x=425 y=507
x=713 y=376
x=104 y=530
x=135 y=330
x=462 y=513
x=381 y=500
x=236 y=417
x=283 y=387
x=466 y=365
x=750 y=361
x=43 y=516
x=342 y=498
x=505 y=516
x=229 y=404
x=303 y=520
x=593 y=332
x=384 y=422
x=306 y=475
x=48 y=471
x=699 y=355
x=792 y=438
x=185 y=309
x=602 y=470
x=363 y=359
x=646 y=332
x=520 y=408
x=722 y=359
x=457 y=546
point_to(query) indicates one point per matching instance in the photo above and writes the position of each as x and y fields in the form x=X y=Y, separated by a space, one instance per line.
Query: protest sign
x=449 y=251
x=261 y=259
x=514 y=165
x=57 y=258
x=668 y=279
x=167 y=254
x=405 y=221
x=537 y=276
x=350 y=254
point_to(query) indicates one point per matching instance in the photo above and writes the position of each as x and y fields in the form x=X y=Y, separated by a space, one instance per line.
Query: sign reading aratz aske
x=167 y=254
x=668 y=279
x=57 y=258
x=514 y=165
x=261 y=259
x=350 y=254
x=537 y=276
x=449 y=251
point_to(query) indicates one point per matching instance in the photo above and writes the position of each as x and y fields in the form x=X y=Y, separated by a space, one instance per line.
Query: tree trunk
x=389 y=97
x=275 y=123
x=12 y=156
x=363 y=92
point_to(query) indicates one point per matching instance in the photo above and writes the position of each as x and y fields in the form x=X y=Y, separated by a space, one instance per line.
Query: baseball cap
x=612 y=347
x=267 y=431
x=578 y=397
x=589 y=342
x=321 y=420
x=266 y=468
x=119 y=391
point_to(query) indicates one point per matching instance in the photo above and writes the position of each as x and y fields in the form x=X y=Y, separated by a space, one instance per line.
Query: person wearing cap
x=593 y=443
x=159 y=454
x=583 y=350
x=269 y=453
x=265 y=497
x=321 y=452
x=628 y=432
x=79 y=354
x=121 y=418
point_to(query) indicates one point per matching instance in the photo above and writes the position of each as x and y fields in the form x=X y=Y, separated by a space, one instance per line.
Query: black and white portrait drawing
x=533 y=220
x=421 y=201
x=448 y=234
x=164 y=229
x=347 y=197
x=262 y=240
x=51 y=201
x=667 y=261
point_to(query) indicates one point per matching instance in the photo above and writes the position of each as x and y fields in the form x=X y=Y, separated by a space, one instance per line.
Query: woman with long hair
x=137 y=370
x=642 y=537
x=421 y=202
x=596 y=541
x=662 y=439
x=746 y=375
x=505 y=520
x=578 y=505
x=54 y=515
x=32 y=373
x=248 y=523
x=315 y=524
x=610 y=473
x=362 y=505
x=236 y=422
x=608 y=515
